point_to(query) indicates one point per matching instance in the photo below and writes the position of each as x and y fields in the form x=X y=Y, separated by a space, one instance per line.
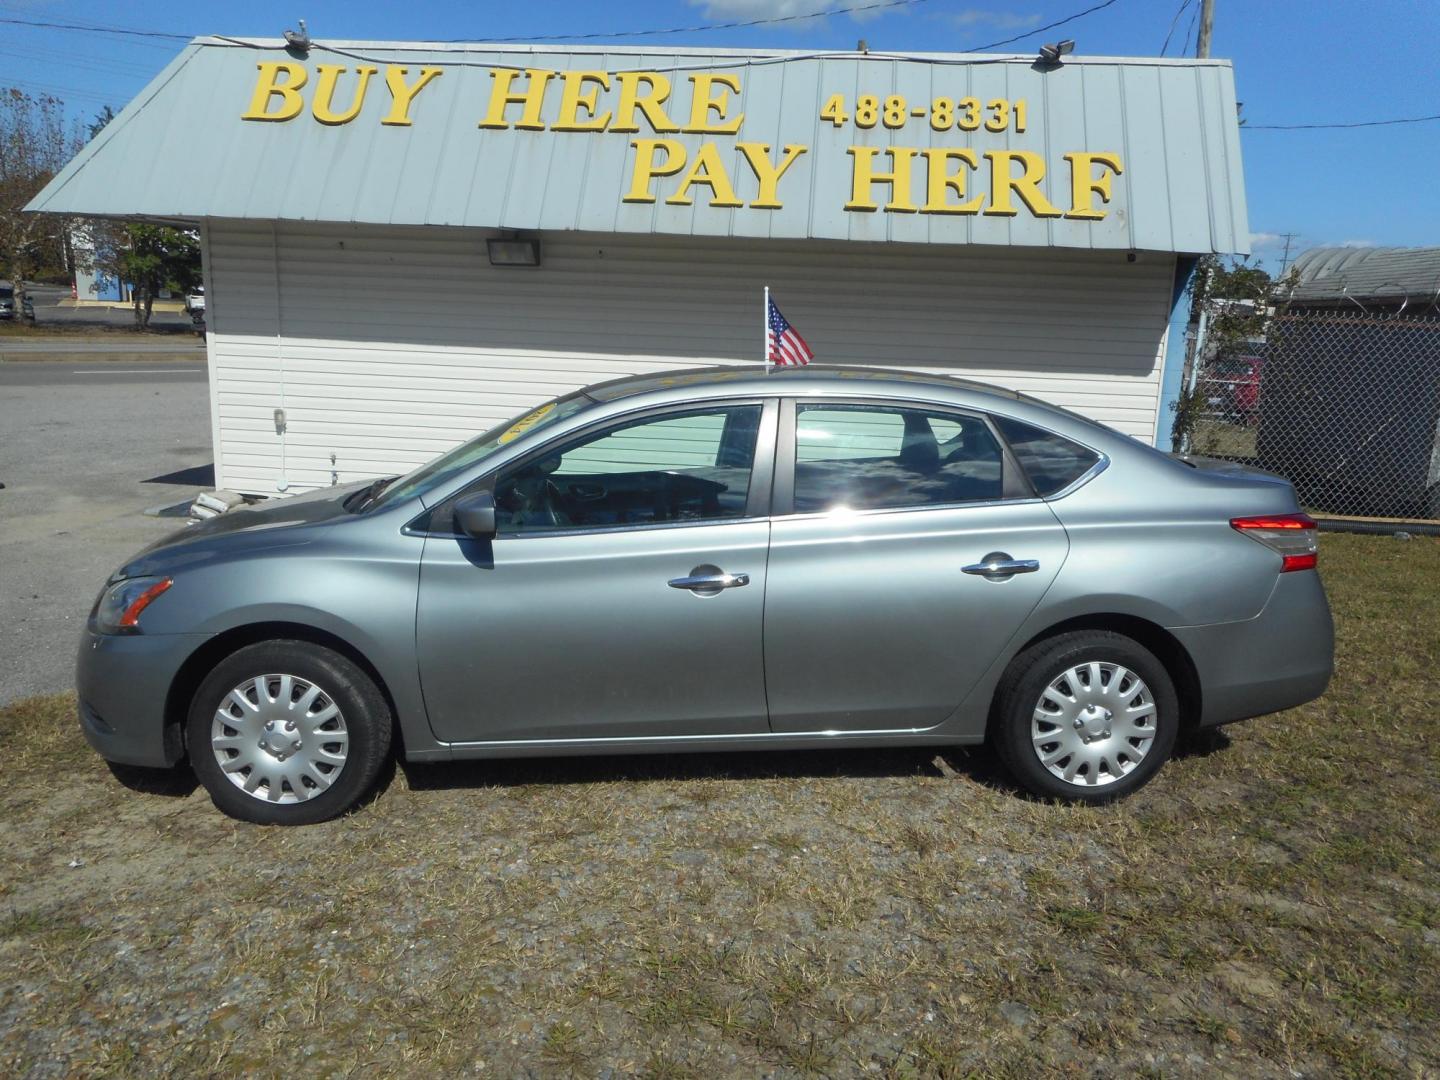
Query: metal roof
x=181 y=149
x=1367 y=273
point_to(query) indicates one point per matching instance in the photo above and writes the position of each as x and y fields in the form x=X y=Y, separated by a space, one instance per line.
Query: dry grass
x=1267 y=907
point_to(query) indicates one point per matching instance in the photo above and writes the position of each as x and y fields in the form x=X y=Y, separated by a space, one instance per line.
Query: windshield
x=428 y=477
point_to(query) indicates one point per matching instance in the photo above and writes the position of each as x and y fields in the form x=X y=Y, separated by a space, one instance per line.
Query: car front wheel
x=1087 y=716
x=287 y=733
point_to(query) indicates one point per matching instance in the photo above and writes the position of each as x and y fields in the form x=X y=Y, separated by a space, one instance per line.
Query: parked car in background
x=719 y=560
x=7 y=303
x=195 y=308
x=1235 y=386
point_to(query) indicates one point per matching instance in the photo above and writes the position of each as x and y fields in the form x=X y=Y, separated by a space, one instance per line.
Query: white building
x=978 y=214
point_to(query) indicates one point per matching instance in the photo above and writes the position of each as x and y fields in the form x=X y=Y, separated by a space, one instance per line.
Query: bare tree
x=36 y=140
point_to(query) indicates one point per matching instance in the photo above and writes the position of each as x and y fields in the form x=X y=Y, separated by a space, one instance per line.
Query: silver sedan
x=719 y=560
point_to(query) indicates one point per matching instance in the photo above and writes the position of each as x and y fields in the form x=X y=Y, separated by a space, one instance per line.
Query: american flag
x=783 y=343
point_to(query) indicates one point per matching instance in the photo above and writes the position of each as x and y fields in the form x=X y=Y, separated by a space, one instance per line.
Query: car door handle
x=998 y=565
x=709 y=582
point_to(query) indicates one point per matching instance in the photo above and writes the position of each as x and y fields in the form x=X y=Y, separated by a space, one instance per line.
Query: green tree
x=155 y=258
x=36 y=140
x=1237 y=301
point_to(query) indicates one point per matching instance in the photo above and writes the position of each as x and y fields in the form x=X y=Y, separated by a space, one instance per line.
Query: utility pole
x=1207 y=23
x=1285 y=258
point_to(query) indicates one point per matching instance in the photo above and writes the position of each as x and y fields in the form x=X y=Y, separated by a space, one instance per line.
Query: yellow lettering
x=865 y=177
x=532 y=97
x=1026 y=185
x=650 y=103
x=768 y=175
x=1084 y=183
x=575 y=97
x=324 y=105
x=709 y=170
x=703 y=102
x=942 y=181
x=401 y=95
x=267 y=86
x=647 y=168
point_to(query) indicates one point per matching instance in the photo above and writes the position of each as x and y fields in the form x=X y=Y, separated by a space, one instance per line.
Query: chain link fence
x=1345 y=404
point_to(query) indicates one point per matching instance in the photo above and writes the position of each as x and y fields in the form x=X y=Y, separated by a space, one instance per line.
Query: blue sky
x=1296 y=61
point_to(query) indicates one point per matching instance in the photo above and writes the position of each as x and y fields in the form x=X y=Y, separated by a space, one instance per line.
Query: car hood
x=275 y=521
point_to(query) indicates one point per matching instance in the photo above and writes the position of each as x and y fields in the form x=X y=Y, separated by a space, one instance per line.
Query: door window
x=871 y=457
x=1051 y=462
x=678 y=467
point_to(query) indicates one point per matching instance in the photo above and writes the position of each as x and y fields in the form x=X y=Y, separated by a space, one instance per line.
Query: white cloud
x=801 y=10
x=806 y=11
x=740 y=10
x=999 y=20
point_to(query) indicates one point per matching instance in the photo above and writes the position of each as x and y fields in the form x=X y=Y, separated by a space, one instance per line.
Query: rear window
x=1052 y=463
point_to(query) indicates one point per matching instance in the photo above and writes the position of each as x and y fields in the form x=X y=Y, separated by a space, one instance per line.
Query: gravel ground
x=74 y=453
x=1267 y=908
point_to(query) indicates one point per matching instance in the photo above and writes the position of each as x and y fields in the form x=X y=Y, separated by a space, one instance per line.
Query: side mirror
x=475 y=515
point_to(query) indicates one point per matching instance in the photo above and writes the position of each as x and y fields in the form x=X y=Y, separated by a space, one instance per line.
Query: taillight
x=1292 y=536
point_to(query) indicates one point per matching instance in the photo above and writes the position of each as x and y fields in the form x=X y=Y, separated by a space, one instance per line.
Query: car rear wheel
x=1087 y=716
x=287 y=733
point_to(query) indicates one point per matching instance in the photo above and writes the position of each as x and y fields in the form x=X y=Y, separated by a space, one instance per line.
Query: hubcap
x=279 y=738
x=1093 y=724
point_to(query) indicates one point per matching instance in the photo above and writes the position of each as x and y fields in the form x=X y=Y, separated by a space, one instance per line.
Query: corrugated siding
x=181 y=148
x=387 y=346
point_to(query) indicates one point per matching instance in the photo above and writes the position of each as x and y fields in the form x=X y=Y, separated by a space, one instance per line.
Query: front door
x=623 y=596
x=872 y=621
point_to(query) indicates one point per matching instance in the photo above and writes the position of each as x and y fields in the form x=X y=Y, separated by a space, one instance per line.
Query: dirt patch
x=1266 y=908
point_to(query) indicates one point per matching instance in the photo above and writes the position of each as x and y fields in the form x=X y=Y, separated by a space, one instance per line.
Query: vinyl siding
x=386 y=346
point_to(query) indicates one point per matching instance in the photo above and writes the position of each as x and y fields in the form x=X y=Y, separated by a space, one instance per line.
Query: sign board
x=1138 y=154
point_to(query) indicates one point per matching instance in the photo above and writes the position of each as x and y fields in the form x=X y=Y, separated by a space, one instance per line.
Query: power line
x=1185 y=45
x=1174 y=23
x=876 y=5
x=95 y=29
x=1356 y=124
x=1042 y=29
x=847 y=9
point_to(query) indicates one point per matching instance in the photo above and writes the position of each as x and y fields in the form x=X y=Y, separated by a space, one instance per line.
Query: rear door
x=906 y=550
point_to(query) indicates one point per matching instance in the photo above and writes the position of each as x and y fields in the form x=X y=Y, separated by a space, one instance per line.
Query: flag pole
x=765 y=329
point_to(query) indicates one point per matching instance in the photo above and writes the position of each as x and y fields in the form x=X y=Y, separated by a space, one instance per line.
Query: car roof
x=785 y=379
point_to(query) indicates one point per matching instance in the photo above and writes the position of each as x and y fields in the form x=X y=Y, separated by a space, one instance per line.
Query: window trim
x=1012 y=476
x=757 y=499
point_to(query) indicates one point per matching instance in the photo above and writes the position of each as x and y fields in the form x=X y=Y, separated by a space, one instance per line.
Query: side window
x=1050 y=461
x=872 y=457
x=690 y=466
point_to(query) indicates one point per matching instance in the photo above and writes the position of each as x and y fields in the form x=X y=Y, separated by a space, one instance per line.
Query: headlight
x=119 y=607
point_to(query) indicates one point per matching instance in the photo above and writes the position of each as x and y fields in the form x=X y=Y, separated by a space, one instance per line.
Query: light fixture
x=298 y=41
x=1051 y=54
x=513 y=251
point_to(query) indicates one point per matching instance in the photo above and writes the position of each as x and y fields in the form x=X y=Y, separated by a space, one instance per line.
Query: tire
x=1109 y=739
x=333 y=756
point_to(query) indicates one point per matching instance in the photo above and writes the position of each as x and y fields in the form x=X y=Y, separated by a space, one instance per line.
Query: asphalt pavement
x=61 y=344
x=50 y=309
x=84 y=450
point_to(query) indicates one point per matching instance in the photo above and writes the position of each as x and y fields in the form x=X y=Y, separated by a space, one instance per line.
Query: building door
x=872 y=619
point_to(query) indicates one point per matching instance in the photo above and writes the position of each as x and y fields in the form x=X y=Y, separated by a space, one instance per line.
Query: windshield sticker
x=526 y=422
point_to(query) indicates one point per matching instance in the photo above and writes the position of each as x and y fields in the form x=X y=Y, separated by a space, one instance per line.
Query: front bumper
x=122 y=681
x=1282 y=658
